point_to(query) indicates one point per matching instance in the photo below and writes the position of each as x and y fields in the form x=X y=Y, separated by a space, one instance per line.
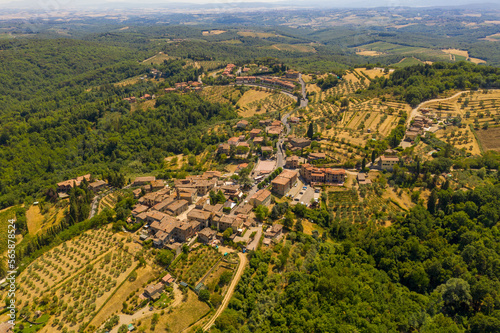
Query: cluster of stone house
x=272 y=81
x=417 y=127
x=246 y=79
x=284 y=181
x=273 y=128
x=273 y=232
x=319 y=176
x=160 y=209
x=388 y=160
x=67 y=185
x=298 y=143
x=145 y=97
x=316 y=157
x=261 y=197
x=154 y=291
x=185 y=87
x=229 y=70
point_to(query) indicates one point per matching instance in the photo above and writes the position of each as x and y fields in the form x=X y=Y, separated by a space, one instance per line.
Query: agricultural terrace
x=351 y=82
x=110 y=200
x=256 y=101
x=70 y=283
x=362 y=205
x=221 y=94
x=211 y=65
x=249 y=101
x=360 y=122
x=477 y=109
x=191 y=267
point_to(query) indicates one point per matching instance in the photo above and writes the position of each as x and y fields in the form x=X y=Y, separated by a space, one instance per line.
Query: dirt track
x=230 y=290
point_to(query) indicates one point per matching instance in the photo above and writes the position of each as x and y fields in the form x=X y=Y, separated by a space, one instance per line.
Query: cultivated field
x=44 y=215
x=410 y=61
x=213 y=32
x=68 y=285
x=157 y=59
x=110 y=200
x=221 y=94
x=256 y=102
x=349 y=206
x=192 y=267
x=306 y=48
x=490 y=138
x=390 y=48
x=257 y=34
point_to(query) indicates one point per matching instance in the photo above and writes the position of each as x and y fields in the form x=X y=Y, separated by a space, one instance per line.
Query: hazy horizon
x=68 y=4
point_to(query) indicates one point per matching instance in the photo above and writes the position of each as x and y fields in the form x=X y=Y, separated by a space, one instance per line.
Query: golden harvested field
x=306 y=77
x=462 y=54
x=38 y=220
x=252 y=96
x=313 y=88
x=369 y=53
x=34 y=219
x=490 y=138
x=213 y=32
x=373 y=73
x=309 y=227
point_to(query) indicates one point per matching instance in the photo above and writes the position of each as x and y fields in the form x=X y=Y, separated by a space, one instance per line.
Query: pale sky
x=33 y=4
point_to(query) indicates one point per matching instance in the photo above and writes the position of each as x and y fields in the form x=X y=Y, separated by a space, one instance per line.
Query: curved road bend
x=228 y=295
x=415 y=110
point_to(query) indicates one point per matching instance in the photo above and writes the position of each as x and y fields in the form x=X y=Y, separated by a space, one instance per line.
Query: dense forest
x=427 y=272
x=423 y=82
x=78 y=123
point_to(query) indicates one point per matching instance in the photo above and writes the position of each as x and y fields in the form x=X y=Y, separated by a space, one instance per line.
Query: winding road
x=415 y=110
x=230 y=290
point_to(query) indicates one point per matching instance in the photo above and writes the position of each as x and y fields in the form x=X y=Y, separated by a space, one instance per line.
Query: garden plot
x=191 y=267
x=348 y=206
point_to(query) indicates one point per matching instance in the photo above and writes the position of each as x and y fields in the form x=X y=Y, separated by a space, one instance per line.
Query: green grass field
x=5 y=215
x=390 y=48
x=407 y=62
